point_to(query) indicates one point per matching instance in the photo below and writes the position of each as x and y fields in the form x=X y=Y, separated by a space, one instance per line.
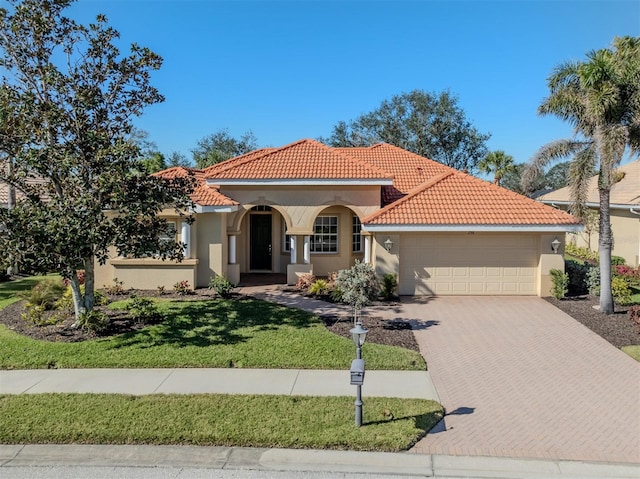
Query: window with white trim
x=169 y=235
x=286 y=239
x=356 y=235
x=325 y=235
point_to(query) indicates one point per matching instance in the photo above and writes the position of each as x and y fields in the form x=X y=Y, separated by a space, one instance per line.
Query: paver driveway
x=520 y=378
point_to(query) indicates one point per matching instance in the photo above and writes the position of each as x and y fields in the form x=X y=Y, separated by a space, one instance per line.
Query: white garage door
x=468 y=264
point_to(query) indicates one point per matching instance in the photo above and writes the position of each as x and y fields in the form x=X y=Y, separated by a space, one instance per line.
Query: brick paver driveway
x=520 y=378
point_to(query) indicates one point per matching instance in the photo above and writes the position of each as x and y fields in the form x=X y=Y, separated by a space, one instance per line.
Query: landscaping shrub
x=620 y=290
x=36 y=314
x=115 y=289
x=142 y=309
x=577 y=276
x=617 y=261
x=319 y=287
x=560 y=282
x=160 y=290
x=593 y=281
x=627 y=272
x=221 y=285
x=65 y=302
x=305 y=281
x=182 y=288
x=94 y=321
x=46 y=293
x=581 y=252
x=389 y=285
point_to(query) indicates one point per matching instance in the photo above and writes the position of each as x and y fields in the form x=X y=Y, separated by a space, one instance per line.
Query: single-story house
x=310 y=208
x=624 y=209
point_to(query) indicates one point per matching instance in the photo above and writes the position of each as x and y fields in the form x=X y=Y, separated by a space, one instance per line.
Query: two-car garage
x=469 y=263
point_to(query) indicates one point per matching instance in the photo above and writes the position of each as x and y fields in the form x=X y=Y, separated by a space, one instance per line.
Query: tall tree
x=178 y=159
x=428 y=124
x=221 y=146
x=77 y=95
x=600 y=98
x=498 y=163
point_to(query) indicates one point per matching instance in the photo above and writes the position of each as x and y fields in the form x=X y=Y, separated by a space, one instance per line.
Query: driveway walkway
x=520 y=378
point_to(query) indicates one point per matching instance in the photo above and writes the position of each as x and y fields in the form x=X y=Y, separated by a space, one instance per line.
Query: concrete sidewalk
x=303 y=382
x=190 y=459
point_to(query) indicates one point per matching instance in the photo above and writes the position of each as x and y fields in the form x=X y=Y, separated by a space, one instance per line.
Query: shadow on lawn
x=214 y=322
x=9 y=289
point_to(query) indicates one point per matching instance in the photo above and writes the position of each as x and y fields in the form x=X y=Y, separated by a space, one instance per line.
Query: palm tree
x=600 y=98
x=498 y=163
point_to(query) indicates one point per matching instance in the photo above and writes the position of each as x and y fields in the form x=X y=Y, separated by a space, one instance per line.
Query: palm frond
x=581 y=169
x=549 y=153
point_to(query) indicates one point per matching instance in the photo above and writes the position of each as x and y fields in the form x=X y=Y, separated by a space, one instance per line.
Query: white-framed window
x=325 y=235
x=356 y=235
x=286 y=239
x=170 y=235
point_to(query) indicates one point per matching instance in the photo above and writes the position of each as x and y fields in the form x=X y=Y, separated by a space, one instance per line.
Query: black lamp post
x=358 y=335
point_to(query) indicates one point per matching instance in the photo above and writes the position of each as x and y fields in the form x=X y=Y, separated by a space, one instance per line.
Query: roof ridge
x=359 y=161
x=418 y=189
x=241 y=160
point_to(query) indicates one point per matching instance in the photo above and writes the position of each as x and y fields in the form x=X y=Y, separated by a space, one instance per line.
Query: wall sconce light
x=555 y=244
x=388 y=244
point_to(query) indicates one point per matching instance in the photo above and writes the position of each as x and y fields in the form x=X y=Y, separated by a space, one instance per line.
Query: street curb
x=306 y=460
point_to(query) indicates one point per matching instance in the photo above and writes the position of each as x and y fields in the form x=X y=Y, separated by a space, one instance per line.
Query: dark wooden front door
x=260 y=255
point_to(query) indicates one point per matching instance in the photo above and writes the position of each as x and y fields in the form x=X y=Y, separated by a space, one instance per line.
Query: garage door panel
x=468 y=264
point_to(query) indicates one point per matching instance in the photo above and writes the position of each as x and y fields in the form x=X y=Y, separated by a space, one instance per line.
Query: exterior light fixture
x=388 y=244
x=358 y=335
x=555 y=244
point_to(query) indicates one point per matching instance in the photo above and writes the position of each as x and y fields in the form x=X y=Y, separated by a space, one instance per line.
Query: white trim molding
x=215 y=209
x=300 y=182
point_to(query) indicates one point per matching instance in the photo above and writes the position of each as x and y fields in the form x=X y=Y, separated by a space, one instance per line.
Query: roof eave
x=215 y=208
x=300 y=182
x=613 y=206
x=536 y=228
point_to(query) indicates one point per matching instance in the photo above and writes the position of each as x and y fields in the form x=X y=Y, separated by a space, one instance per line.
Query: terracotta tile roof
x=304 y=159
x=409 y=170
x=455 y=198
x=625 y=192
x=203 y=194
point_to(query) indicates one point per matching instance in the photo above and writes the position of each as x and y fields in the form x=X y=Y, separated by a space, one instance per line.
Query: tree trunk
x=78 y=306
x=89 y=283
x=606 y=242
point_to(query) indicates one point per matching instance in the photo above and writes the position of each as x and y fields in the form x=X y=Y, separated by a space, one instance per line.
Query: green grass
x=633 y=351
x=243 y=333
x=252 y=421
x=9 y=290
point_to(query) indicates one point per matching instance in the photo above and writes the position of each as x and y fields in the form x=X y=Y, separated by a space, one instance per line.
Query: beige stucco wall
x=211 y=246
x=625 y=227
x=149 y=273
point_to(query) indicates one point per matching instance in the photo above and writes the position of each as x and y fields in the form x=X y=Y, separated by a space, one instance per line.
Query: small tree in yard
x=358 y=286
x=66 y=108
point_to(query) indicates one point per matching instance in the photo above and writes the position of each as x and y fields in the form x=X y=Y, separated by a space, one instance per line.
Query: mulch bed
x=616 y=328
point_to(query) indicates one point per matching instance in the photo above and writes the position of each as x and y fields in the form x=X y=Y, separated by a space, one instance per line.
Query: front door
x=260 y=254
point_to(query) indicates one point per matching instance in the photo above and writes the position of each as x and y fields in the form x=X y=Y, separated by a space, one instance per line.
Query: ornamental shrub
x=577 y=272
x=319 y=287
x=620 y=290
x=46 y=293
x=634 y=315
x=182 y=288
x=617 y=260
x=94 y=321
x=388 y=286
x=560 y=282
x=221 y=285
x=142 y=309
x=358 y=286
x=593 y=281
x=304 y=282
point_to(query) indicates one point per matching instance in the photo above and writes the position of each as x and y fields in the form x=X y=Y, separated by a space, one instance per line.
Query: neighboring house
x=310 y=208
x=625 y=212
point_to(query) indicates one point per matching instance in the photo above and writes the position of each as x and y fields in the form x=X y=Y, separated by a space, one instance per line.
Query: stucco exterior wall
x=211 y=246
x=625 y=227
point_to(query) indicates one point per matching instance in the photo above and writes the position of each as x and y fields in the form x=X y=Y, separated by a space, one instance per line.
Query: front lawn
x=250 y=421
x=242 y=333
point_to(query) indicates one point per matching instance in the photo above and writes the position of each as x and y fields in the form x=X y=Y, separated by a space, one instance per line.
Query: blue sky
x=291 y=70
